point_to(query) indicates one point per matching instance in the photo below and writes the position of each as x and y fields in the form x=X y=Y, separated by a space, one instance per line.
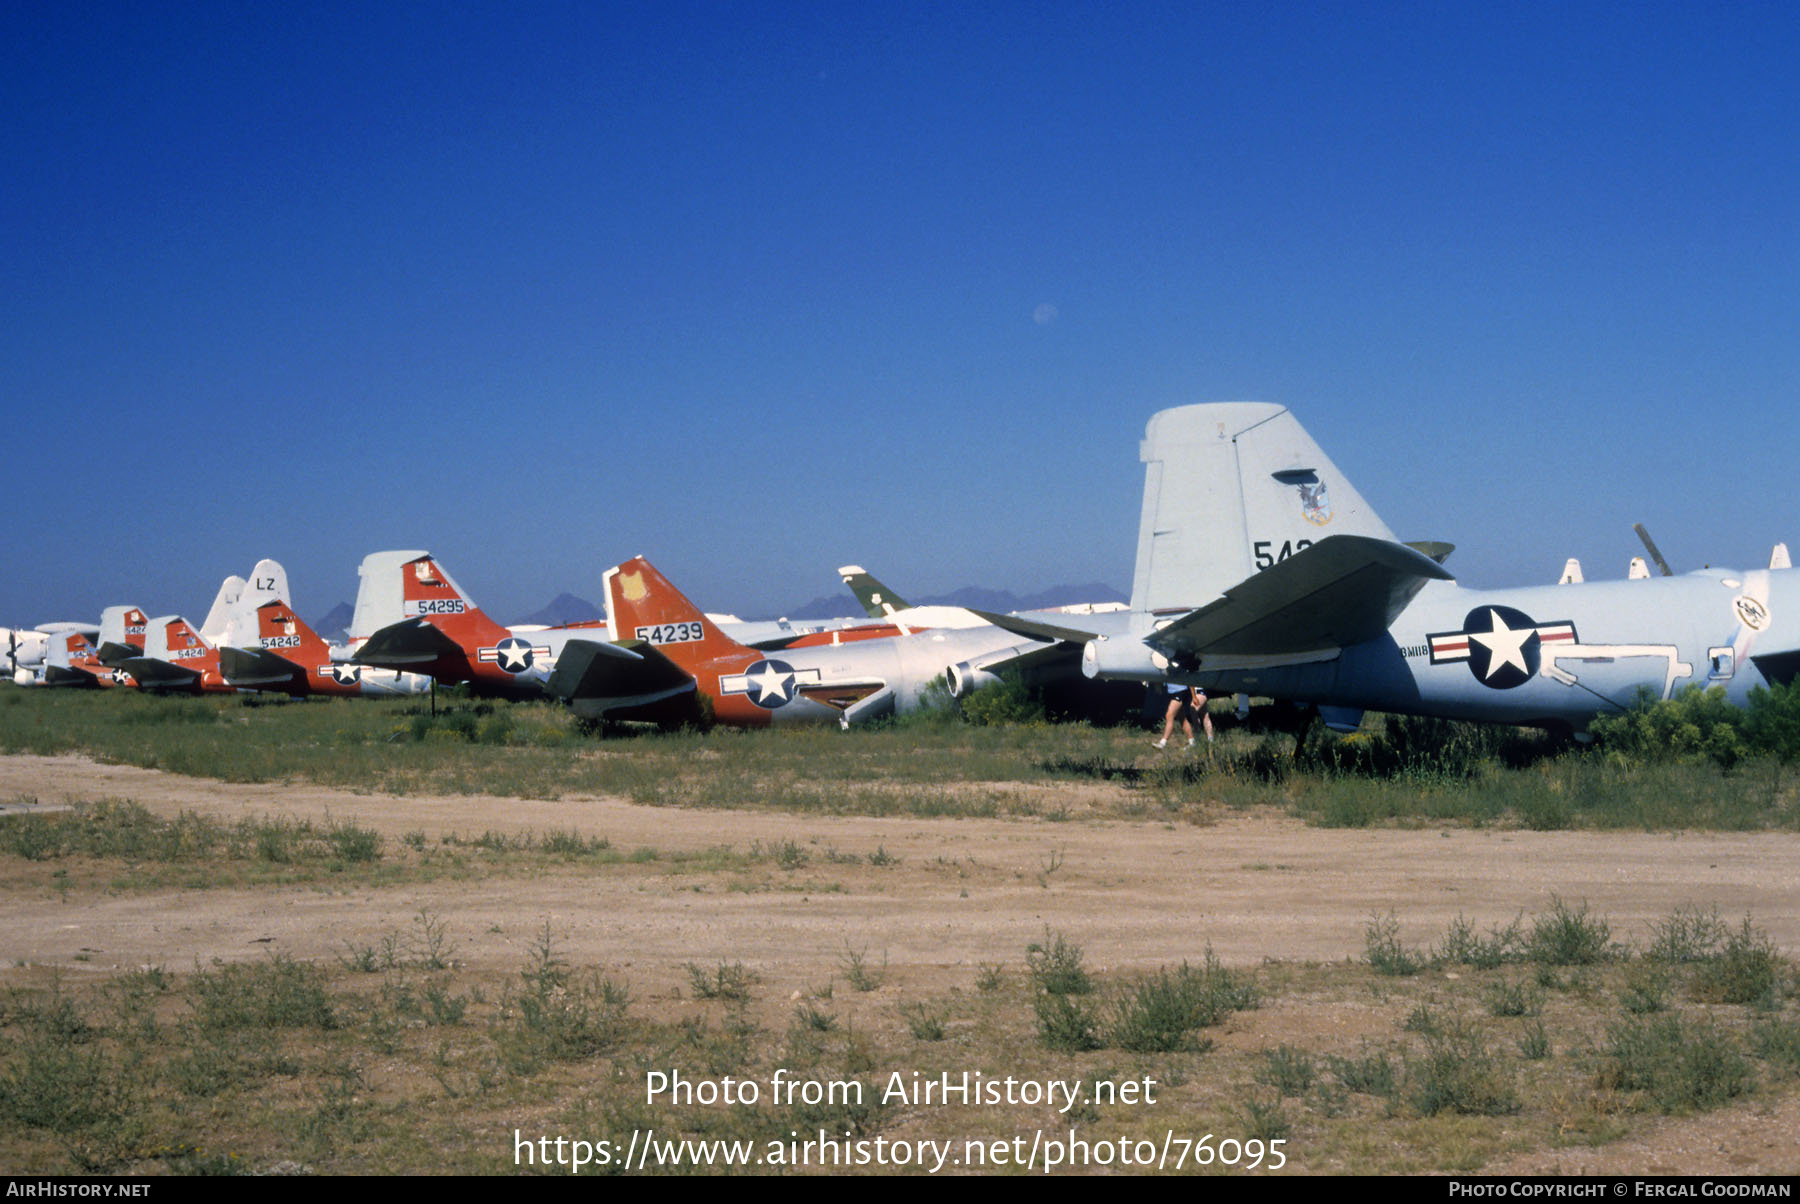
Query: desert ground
x=965 y=891
x=948 y=896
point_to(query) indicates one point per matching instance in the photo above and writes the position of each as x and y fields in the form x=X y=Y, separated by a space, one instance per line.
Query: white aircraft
x=1261 y=570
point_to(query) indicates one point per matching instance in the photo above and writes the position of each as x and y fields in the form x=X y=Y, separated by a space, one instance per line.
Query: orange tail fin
x=642 y=605
x=429 y=593
x=281 y=631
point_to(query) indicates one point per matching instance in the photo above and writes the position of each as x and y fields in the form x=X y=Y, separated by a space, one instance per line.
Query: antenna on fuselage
x=1650 y=547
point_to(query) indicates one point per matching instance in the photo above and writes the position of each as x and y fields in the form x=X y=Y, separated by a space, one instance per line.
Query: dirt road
x=1135 y=893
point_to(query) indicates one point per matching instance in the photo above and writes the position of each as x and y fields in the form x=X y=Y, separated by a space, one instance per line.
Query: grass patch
x=1394 y=771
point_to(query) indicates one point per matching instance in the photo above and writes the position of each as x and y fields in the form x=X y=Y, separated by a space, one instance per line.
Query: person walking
x=1182 y=700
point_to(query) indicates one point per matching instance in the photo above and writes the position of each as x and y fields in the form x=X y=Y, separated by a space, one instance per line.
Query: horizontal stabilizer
x=1781 y=668
x=406 y=645
x=1437 y=549
x=115 y=654
x=607 y=677
x=1343 y=590
x=258 y=668
x=154 y=674
x=65 y=675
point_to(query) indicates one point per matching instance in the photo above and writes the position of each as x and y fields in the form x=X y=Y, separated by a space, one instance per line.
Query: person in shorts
x=1182 y=700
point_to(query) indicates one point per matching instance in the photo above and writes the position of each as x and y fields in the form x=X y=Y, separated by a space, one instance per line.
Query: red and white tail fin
x=173 y=638
x=123 y=627
x=380 y=596
x=642 y=605
x=279 y=630
x=429 y=593
x=411 y=585
x=71 y=649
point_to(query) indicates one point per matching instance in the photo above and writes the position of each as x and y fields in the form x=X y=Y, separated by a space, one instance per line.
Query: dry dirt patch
x=1137 y=894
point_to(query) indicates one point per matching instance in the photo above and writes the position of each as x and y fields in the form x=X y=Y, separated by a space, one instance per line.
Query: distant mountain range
x=567 y=608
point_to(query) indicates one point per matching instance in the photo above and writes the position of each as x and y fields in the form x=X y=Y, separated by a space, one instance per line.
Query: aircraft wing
x=257 y=668
x=607 y=677
x=407 y=644
x=154 y=674
x=1343 y=590
x=1033 y=629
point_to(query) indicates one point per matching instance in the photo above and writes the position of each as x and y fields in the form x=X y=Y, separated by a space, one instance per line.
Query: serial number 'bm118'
x=671 y=633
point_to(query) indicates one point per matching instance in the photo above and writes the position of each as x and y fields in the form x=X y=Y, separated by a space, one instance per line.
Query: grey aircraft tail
x=1231 y=488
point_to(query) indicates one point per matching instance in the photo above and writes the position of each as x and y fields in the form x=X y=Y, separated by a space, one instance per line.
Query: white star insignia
x=1505 y=645
x=771 y=683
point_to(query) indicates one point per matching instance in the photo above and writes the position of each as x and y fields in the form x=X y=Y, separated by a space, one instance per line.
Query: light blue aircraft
x=1261 y=570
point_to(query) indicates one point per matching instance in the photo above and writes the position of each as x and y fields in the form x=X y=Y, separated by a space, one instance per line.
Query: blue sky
x=754 y=290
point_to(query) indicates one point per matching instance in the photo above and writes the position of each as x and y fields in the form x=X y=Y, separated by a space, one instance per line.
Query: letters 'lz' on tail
x=642 y=605
x=1229 y=489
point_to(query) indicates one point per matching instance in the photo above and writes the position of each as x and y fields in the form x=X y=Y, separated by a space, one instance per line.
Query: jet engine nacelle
x=965 y=679
x=1122 y=660
x=968 y=676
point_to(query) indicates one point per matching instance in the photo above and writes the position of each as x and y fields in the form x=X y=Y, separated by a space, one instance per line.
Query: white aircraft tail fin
x=1571 y=573
x=121 y=633
x=1778 y=558
x=1639 y=570
x=268 y=583
x=1231 y=488
x=170 y=637
x=381 y=597
x=224 y=609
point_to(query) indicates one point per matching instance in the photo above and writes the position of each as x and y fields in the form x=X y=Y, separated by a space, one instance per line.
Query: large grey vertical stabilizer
x=1230 y=488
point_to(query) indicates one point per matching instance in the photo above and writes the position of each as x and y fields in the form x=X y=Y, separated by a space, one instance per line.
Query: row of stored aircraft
x=1260 y=570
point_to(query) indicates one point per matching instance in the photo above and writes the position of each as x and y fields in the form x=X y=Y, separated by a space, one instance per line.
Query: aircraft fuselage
x=1551 y=654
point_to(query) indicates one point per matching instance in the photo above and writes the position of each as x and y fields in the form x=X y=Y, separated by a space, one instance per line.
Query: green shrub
x=1159 y=1013
x=1508 y=998
x=1499 y=947
x=1371 y=1074
x=1696 y=725
x=1458 y=1074
x=1747 y=969
x=1288 y=1069
x=1676 y=1067
x=1055 y=966
x=1567 y=937
x=1381 y=945
x=1688 y=935
x=1065 y=1023
x=1008 y=701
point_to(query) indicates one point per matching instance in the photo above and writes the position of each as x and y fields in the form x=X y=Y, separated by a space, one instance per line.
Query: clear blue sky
x=757 y=289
